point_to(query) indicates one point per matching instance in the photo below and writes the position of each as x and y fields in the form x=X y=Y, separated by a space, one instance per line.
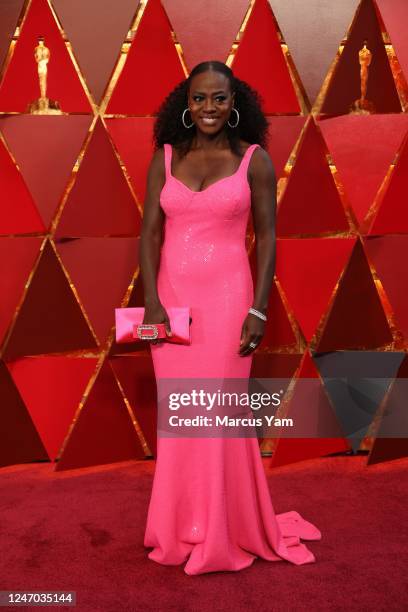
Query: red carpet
x=82 y=530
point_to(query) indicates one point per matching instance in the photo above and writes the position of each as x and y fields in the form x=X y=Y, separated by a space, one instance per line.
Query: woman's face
x=210 y=101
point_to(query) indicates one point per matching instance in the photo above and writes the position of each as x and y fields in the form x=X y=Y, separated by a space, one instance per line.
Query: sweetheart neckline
x=212 y=184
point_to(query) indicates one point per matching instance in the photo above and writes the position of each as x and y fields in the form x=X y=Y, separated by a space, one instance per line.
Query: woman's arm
x=152 y=229
x=263 y=204
x=150 y=243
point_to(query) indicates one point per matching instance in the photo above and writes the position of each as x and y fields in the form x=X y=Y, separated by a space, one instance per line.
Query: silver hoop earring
x=182 y=118
x=234 y=126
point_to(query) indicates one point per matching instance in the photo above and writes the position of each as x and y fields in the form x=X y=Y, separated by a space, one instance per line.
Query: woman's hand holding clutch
x=157 y=314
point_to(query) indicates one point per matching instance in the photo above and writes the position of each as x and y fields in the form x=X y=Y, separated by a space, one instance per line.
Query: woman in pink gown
x=210 y=503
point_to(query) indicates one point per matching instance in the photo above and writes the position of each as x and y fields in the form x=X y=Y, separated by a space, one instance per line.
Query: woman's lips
x=209 y=120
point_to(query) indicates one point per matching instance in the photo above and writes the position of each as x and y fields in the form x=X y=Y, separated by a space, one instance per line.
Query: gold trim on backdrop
x=101 y=352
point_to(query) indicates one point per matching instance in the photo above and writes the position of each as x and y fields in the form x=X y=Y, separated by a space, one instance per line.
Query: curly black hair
x=252 y=126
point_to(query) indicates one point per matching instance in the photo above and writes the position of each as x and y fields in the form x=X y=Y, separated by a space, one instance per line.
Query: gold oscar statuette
x=362 y=106
x=43 y=105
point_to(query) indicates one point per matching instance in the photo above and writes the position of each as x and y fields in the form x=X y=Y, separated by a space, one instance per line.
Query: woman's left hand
x=253 y=330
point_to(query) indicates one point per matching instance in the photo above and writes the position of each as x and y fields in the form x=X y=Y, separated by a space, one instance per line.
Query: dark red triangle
x=356 y=319
x=50 y=319
x=103 y=431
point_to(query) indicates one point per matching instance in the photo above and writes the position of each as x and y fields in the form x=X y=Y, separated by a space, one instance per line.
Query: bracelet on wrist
x=258 y=313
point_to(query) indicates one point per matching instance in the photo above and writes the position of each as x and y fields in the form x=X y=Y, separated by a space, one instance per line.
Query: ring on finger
x=253 y=345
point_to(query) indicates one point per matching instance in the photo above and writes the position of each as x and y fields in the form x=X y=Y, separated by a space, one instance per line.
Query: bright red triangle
x=100 y=202
x=388 y=256
x=52 y=388
x=101 y=270
x=103 y=431
x=363 y=149
x=310 y=203
x=392 y=216
x=308 y=270
x=20 y=85
x=19 y=214
x=395 y=16
x=152 y=67
x=133 y=140
x=259 y=60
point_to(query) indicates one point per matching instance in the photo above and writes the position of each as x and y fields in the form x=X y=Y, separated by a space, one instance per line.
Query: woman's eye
x=218 y=98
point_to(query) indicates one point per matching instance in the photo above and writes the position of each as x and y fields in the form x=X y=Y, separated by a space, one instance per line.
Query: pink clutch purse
x=129 y=326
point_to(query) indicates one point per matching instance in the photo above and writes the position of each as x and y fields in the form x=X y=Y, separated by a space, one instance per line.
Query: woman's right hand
x=157 y=314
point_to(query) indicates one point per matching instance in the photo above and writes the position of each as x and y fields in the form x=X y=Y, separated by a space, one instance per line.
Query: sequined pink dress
x=210 y=503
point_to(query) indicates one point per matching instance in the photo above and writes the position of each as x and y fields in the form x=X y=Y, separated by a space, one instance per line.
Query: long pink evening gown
x=210 y=503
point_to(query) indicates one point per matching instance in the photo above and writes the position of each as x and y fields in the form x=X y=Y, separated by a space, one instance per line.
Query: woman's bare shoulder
x=261 y=166
x=156 y=165
x=262 y=153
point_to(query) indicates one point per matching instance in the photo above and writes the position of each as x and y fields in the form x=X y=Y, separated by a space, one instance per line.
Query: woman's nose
x=208 y=105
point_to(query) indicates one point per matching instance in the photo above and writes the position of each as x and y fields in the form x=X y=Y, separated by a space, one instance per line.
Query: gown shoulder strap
x=247 y=158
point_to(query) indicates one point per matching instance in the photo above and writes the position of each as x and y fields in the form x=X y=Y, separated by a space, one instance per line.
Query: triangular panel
x=215 y=26
x=45 y=149
x=356 y=319
x=19 y=439
x=310 y=203
x=152 y=67
x=392 y=216
x=278 y=329
x=344 y=87
x=395 y=16
x=103 y=431
x=52 y=388
x=388 y=253
x=313 y=31
x=136 y=376
x=100 y=202
x=283 y=133
x=133 y=138
x=259 y=60
x=86 y=24
x=20 y=85
x=309 y=397
x=362 y=149
x=356 y=382
x=9 y=15
x=101 y=270
x=22 y=253
x=308 y=270
x=19 y=214
x=50 y=319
